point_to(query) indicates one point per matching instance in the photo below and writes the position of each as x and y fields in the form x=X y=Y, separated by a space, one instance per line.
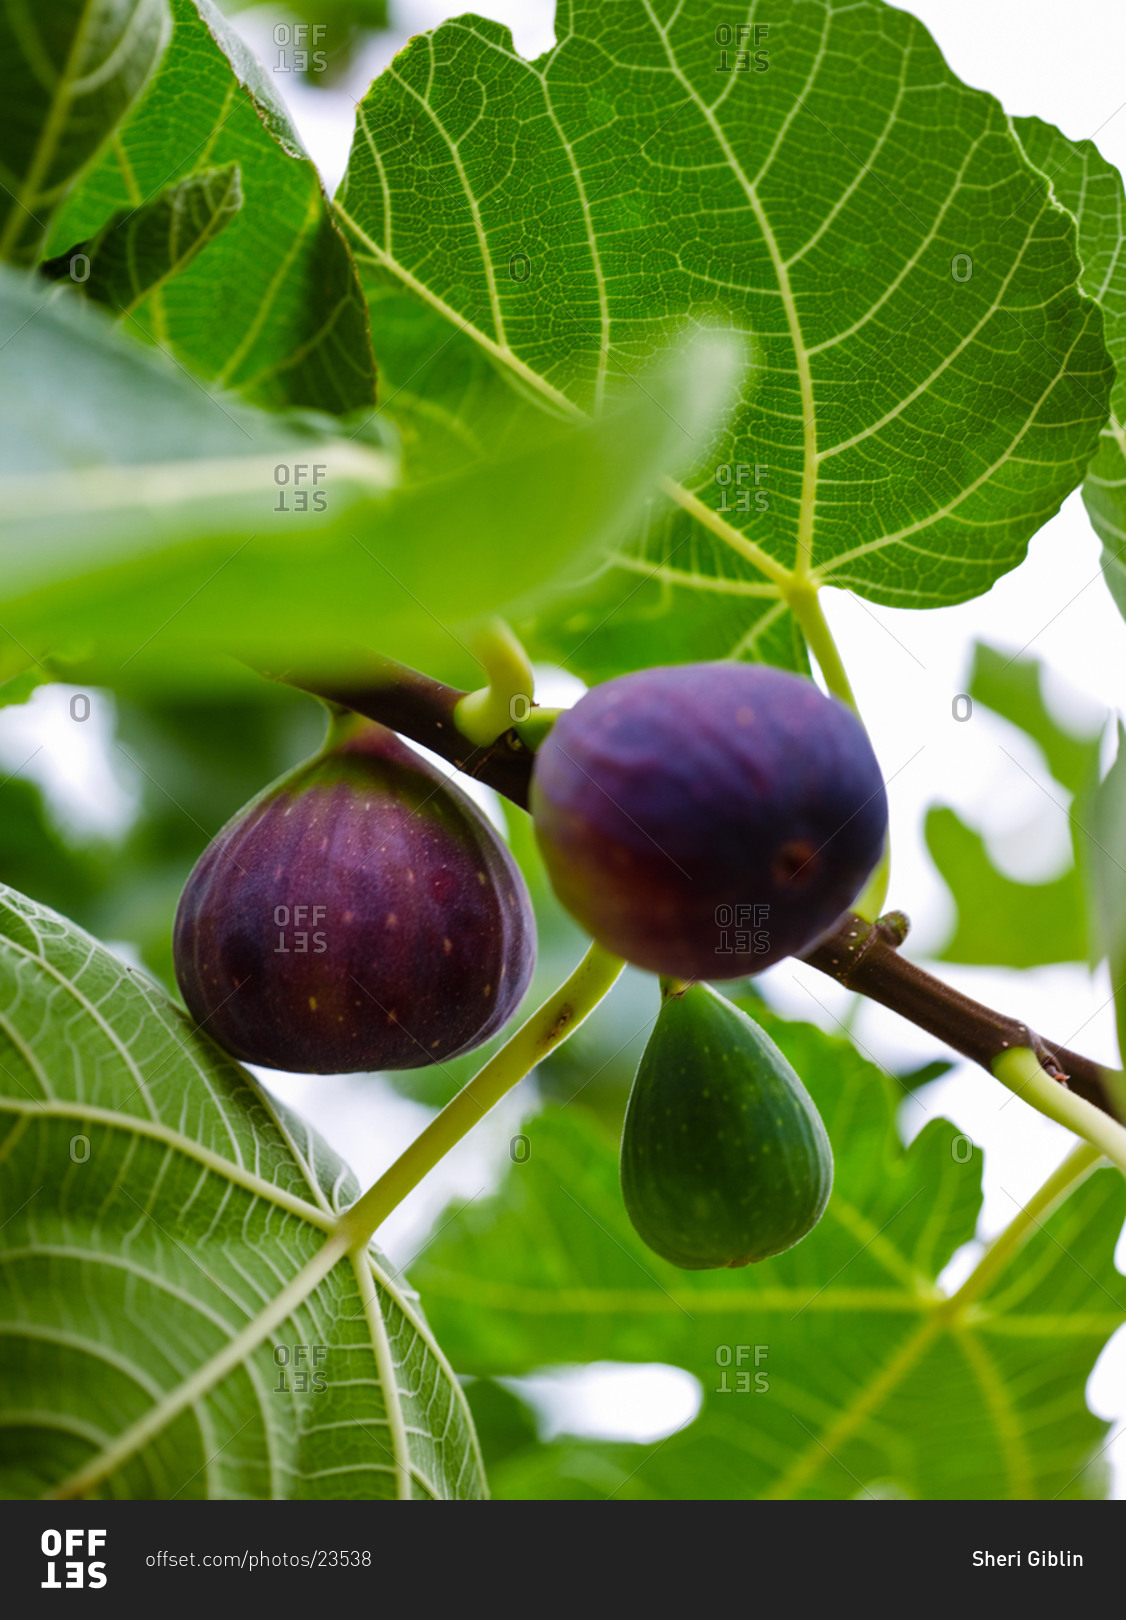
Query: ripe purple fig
x=705 y=820
x=360 y=913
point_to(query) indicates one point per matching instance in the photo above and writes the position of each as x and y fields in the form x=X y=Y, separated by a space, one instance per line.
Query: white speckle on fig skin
x=719 y=765
x=393 y=906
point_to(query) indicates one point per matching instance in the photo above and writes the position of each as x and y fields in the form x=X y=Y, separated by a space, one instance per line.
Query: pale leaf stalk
x=1020 y=1070
x=548 y=1027
x=1075 y=1168
x=805 y=604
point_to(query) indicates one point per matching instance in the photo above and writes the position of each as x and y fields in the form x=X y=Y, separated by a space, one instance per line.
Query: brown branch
x=860 y=955
x=865 y=957
x=422 y=709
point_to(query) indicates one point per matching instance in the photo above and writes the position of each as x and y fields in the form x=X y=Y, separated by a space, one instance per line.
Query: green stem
x=805 y=604
x=422 y=709
x=1078 y=1164
x=871 y=900
x=486 y=714
x=535 y=728
x=1022 y=1072
x=558 y=1017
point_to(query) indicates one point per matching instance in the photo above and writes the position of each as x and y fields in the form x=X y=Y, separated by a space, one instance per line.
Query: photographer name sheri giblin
x=1030 y=1558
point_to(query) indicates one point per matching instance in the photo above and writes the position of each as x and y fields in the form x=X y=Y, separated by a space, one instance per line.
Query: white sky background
x=905 y=667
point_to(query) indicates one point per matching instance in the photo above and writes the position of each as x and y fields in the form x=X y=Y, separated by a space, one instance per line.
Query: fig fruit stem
x=858 y=953
x=1023 y=1073
x=871 y=900
x=423 y=709
x=535 y=728
x=486 y=714
x=548 y=1027
x=864 y=956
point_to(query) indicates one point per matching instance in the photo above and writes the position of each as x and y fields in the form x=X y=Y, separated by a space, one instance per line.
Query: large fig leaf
x=873 y=1381
x=928 y=383
x=273 y=309
x=173 y=1322
x=144 y=521
x=138 y=249
x=1079 y=177
x=68 y=71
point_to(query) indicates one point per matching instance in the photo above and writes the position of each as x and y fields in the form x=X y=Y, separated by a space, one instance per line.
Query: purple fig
x=705 y=820
x=360 y=913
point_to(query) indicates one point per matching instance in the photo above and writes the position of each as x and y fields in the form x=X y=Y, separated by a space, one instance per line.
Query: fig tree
x=725 y=1159
x=705 y=820
x=360 y=913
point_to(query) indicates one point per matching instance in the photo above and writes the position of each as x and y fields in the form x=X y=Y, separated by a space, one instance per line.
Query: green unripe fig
x=725 y=1159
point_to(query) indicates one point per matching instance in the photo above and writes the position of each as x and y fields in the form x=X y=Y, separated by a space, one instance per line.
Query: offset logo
x=81 y=1566
x=301 y=499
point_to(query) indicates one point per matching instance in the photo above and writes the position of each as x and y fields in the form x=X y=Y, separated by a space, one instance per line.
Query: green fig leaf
x=274 y=311
x=166 y=1253
x=1076 y=174
x=68 y=72
x=1013 y=687
x=1000 y=920
x=566 y=216
x=147 y=527
x=871 y=1374
x=140 y=248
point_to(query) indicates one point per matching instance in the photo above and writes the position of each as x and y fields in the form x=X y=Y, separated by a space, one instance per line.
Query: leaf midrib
x=49 y=135
x=646 y=1302
x=787 y=581
x=233 y=1355
x=140 y=485
x=808 y=500
x=157 y=1130
x=237 y=1352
